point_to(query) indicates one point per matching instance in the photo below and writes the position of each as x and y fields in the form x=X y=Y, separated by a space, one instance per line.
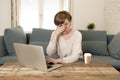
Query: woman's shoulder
x=77 y=33
x=53 y=32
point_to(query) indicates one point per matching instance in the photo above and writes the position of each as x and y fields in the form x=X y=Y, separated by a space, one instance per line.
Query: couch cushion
x=8 y=58
x=96 y=47
x=108 y=59
x=40 y=35
x=114 y=46
x=94 y=42
x=44 y=44
x=11 y=35
x=3 y=50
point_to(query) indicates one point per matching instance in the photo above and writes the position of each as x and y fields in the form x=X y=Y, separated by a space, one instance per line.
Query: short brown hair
x=61 y=16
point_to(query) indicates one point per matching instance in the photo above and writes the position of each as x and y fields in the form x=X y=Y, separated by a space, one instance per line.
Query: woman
x=65 y=40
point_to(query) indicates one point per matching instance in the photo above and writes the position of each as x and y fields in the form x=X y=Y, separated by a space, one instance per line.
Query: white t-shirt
x=70 y=50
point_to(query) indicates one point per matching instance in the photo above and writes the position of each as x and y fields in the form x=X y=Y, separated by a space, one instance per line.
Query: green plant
x=91 y=26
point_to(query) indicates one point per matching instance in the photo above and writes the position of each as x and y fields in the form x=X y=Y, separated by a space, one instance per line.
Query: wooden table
x=73 y=71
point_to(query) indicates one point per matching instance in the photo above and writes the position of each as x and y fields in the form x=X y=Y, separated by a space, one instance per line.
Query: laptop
x=32 y=56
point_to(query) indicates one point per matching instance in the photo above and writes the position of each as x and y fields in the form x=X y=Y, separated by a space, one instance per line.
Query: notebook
x=32 y=56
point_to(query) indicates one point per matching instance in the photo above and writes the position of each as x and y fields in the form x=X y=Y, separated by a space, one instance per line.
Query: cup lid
x=87 y=54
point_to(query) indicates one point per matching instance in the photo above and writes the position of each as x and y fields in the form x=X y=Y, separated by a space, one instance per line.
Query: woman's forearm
x=51 y=48
x=54 y=39
x=59 y=60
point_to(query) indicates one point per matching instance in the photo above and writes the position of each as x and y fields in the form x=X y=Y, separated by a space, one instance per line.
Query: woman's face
x=67 y=26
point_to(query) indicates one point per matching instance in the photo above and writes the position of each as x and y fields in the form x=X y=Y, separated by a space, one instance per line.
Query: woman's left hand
x=54 y=60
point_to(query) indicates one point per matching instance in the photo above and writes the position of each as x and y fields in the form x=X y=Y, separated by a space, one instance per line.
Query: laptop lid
x=32 y=56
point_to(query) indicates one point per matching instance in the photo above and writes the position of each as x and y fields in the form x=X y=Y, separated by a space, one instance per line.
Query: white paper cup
x=87 y=58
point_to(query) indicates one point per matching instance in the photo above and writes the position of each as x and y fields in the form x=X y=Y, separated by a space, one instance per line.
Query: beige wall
x=112 y=16
x=105 y=14
x=85 y=11
x=5 y=15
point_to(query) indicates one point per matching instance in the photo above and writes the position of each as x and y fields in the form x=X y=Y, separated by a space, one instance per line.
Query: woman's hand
x=57 y=33
x=59 y=60
x=59 y=29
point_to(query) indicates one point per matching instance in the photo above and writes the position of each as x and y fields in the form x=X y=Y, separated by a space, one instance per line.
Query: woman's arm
x=52 y=46
x=59 y=60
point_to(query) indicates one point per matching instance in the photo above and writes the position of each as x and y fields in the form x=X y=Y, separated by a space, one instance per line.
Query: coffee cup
x=87 y=58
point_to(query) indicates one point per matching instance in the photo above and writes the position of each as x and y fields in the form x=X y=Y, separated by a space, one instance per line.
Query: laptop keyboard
x=49 y=65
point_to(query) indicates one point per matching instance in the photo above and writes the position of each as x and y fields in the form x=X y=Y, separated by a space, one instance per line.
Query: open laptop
x=32 y=56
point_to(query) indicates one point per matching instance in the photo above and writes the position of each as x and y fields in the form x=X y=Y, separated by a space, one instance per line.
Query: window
x=29 y=14
x=49 y=9
x=40 y=13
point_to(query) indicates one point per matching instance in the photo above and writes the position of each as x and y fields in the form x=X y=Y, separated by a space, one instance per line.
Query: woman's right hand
x=59 y=29
x=57 y=32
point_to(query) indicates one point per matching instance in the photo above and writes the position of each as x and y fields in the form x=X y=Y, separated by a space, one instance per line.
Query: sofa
x=102 y=46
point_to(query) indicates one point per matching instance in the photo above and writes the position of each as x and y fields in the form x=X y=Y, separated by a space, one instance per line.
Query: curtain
x=67 y=5
x=70 y=3
x=15 y=12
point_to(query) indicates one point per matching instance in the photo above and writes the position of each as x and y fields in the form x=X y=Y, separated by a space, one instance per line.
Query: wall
x=105 y=14
x=5 y=15
x=85 y=11
x=112 y=16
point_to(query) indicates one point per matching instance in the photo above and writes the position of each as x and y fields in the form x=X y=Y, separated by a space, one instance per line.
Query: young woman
x=65 y=40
